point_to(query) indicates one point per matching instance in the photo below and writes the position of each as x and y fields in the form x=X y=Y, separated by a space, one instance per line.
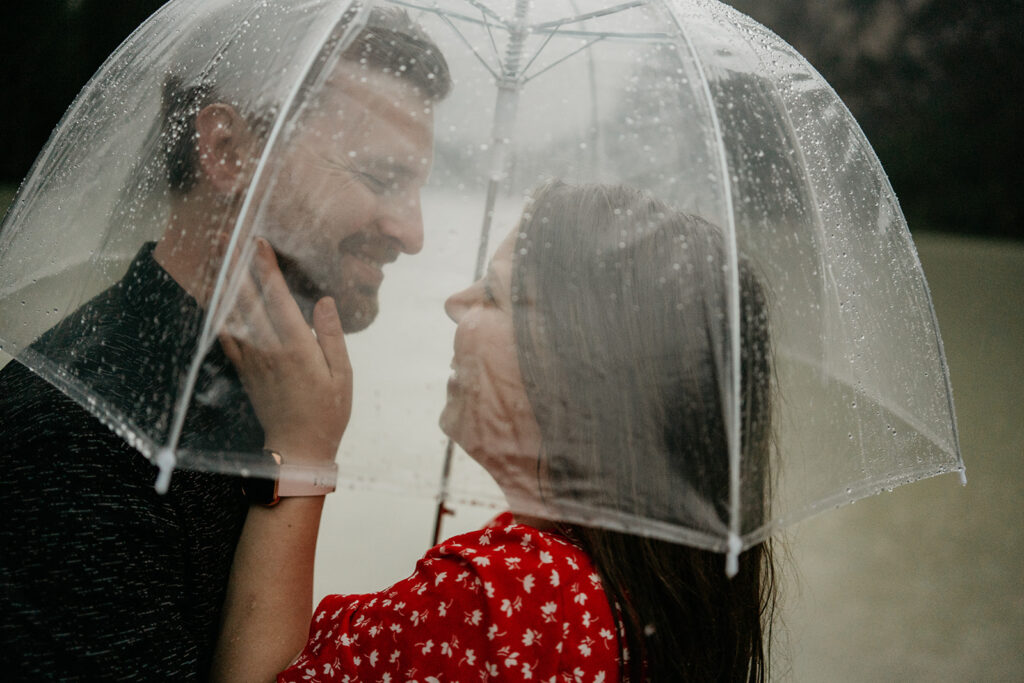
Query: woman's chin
x=447 y=421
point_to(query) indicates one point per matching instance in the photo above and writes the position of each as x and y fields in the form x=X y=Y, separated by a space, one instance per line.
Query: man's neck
x=189 y=250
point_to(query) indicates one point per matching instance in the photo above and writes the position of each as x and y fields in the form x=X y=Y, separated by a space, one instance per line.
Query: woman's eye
x=489 y=294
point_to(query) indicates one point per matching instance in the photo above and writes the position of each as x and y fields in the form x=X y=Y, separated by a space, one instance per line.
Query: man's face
x=345 y=192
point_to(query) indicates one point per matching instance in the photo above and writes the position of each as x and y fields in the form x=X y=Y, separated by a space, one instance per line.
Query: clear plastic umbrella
x=688 y=100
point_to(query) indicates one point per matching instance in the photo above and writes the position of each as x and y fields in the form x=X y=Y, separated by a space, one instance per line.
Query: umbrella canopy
x=687 y=100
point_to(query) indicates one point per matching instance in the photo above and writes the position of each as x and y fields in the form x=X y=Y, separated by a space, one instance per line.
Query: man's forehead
x=373 y=91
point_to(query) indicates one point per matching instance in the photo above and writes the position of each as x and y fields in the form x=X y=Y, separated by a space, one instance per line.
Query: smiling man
x=103 y=578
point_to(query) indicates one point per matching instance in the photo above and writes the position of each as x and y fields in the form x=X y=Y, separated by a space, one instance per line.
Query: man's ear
x=223 y=141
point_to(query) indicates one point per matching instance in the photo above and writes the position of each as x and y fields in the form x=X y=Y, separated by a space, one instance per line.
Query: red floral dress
x=506 y=603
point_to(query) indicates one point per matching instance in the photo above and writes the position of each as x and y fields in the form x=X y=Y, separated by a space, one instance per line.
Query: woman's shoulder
x=503 y=537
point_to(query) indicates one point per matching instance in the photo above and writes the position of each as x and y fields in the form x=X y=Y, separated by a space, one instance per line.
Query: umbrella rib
x=475 y=52
x=485 y=10
x=591 y=15
x=732 y=307
x=443 y=13
x=535 y=29
x=494 y=43
x=568 y=56
x=539 y=50
x=609 y=35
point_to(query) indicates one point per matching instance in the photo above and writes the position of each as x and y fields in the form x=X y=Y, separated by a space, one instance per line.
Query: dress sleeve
x=487 y=606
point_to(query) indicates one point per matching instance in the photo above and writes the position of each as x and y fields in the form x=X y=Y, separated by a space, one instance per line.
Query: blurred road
x=927 y=583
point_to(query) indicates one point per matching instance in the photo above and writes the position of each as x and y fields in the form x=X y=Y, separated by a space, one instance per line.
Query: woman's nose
x=455 y=306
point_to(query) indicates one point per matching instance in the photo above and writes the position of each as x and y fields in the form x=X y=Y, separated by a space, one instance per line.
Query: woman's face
x=487 y=412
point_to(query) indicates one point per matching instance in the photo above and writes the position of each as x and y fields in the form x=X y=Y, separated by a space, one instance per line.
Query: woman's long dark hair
x=621 y=329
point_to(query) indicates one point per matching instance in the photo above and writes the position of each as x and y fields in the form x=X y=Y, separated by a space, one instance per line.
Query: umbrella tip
x=963 y=476
x=732 y=559
x=165 y=460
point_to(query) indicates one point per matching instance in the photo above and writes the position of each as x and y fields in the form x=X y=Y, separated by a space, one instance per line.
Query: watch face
x=260 y=491
x=263 y=491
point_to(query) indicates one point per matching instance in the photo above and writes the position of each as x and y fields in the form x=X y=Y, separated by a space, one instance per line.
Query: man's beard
x=356 y=303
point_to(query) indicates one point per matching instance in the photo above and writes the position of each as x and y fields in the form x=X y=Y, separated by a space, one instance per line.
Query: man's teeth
x=367 y=260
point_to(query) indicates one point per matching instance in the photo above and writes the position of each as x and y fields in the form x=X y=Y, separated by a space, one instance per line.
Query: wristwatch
x=304 y=481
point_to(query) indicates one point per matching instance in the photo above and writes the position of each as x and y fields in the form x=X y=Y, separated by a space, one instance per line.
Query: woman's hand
x=300 y=384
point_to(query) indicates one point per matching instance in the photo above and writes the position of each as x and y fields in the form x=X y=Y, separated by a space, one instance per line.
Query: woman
x=587 y=375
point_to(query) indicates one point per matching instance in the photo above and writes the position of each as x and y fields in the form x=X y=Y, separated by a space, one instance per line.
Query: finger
x=230 y=347
x=247 y=321
x=331 y=337
x=283 y=312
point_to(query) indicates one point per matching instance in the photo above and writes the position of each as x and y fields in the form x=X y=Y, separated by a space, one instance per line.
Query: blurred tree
x=934 y=84
x=50 y=48
x=936 y=87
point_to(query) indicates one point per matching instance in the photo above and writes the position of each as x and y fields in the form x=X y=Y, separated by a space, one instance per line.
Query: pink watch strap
x=296 y=480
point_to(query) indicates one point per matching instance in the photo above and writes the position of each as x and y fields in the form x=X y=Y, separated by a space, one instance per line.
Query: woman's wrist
x=290 y=479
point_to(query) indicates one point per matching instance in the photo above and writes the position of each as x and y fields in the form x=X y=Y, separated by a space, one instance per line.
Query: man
x=102 y=577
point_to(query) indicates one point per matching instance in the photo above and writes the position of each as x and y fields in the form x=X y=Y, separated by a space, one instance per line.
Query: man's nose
x=402 y=221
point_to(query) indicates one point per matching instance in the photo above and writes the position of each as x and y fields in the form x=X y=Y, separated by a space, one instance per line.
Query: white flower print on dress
x=510 y=606
x=527 y=582
x=511 y=659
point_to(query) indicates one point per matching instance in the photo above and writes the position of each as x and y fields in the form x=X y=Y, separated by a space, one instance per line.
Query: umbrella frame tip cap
x=166 y=461
x=732 y=558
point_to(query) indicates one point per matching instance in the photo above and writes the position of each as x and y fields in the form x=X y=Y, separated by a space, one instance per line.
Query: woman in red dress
x=585 y=372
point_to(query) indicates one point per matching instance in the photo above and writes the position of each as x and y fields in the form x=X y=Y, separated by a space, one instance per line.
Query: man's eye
x=375 y=183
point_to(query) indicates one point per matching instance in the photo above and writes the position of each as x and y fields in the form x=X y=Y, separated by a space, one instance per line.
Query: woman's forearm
x=270 y=595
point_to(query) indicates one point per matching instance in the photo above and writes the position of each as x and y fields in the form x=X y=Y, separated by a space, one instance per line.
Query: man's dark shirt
x=102 y=577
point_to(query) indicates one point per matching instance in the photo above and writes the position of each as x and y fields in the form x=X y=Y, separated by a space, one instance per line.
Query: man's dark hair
x=390 y=41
